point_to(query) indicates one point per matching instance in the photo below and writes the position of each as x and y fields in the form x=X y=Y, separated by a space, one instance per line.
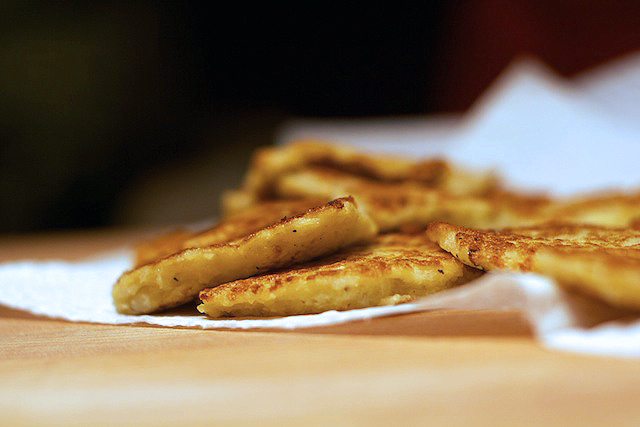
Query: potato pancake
x=178 y=278
x=598 y=260
x=611 y=209
x=394 y=268
x=269 y=164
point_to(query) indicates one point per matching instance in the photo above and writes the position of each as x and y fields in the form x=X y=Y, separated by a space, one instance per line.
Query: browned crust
x=513 y=248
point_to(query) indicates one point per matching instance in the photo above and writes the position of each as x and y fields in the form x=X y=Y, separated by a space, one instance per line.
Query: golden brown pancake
x=178 y=278
x=241 y=224
x=394 y=268
x=598 y=260
x=269 y=164
x=499 y=209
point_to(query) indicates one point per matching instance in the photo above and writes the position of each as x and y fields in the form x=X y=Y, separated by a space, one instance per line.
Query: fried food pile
x=179 y=277
x=317 y=227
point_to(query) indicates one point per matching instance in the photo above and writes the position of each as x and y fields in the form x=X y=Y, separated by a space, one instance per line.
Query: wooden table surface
x=439 y=368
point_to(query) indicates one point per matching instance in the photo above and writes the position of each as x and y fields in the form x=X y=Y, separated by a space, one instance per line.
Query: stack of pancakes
x=319 y=227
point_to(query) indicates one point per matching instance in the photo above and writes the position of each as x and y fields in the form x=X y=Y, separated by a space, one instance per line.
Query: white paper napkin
x=81 y=292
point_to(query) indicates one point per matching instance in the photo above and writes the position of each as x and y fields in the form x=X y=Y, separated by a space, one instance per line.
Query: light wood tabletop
x=433 y=368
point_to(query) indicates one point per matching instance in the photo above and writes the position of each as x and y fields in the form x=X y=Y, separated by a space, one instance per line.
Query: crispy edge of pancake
x=611 y=278
x=178 y=278
x=477 y=248
x=391 y=269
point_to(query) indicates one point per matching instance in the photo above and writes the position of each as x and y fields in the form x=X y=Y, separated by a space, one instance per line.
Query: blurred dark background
x=140 y=112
